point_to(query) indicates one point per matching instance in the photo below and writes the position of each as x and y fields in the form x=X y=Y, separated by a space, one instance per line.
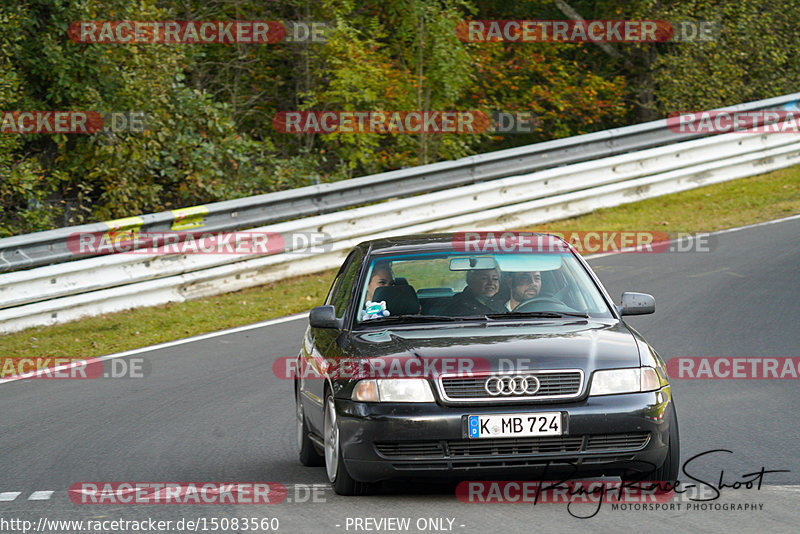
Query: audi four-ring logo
x=512 y=385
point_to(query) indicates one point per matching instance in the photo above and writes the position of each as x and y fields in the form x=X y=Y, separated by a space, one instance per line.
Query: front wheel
x=340 y=479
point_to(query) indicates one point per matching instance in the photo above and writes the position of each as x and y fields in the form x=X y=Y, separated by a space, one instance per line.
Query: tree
x=190 y=154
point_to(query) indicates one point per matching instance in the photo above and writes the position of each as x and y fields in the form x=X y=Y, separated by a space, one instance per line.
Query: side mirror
x=324 y=317
x=637 y=304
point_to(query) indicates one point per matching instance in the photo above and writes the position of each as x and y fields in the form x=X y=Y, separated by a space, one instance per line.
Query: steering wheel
x=542 y=304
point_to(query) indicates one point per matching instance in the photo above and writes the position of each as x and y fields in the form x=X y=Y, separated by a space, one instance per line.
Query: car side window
x=334 y=285
x=340 y=295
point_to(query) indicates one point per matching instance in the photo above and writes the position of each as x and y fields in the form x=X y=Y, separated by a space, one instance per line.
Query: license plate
x=514 y=425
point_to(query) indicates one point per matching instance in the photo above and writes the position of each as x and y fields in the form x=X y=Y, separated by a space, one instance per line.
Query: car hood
x=529 y=346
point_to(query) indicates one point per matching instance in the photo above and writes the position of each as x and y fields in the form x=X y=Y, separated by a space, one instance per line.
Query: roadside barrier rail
x=501 y=190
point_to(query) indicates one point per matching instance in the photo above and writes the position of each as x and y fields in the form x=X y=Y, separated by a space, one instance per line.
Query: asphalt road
x=212 y=410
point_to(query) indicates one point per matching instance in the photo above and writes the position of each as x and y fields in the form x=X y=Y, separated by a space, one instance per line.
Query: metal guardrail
x=49 y=247
x=44 y=283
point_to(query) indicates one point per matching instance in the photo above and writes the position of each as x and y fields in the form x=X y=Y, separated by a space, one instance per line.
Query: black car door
x=324 y=342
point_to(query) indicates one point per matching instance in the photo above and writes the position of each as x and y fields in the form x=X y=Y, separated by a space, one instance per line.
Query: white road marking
x=784 y=488
x=690 y=237
x=168 y=344
x=9 y=495
x=755 y=225
x=40 y=495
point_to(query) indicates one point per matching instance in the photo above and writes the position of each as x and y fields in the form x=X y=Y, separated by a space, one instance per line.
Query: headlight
x=393 y=390
x=615 y=381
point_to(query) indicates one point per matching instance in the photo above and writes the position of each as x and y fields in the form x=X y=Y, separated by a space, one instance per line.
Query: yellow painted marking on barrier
x=188 y=218
x=122 y=229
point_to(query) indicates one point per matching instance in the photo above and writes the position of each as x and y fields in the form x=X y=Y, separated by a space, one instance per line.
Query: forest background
x=209 y=108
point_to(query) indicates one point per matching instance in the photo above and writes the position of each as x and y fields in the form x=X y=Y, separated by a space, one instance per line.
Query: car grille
x=612 y=442
x=552 y=385
x=494 y=447
x=415 y=449
x=551 y=450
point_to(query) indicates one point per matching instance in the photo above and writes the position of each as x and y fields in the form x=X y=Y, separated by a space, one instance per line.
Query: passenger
x=381 y=276
x=524 y=286
x=482 y=285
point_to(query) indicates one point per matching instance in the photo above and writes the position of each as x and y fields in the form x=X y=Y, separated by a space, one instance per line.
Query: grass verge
x=736 y=203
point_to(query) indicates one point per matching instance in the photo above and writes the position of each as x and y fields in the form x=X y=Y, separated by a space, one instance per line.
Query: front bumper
x=609 y=435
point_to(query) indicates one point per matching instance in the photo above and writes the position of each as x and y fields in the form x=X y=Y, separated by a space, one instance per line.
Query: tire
x=307 y=452
x=340 y=479
x=669 y=470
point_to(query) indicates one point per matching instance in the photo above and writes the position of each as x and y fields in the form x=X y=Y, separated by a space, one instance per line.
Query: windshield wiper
x=538 y=314
x=415 y=318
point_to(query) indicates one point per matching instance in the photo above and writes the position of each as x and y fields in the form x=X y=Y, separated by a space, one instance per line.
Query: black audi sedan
x=479 y=355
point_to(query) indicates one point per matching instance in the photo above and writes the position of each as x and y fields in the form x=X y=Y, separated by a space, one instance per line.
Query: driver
x=476 y=299
x=524 y=286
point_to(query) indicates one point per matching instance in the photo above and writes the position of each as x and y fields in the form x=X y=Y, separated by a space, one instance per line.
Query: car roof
x=442 y=242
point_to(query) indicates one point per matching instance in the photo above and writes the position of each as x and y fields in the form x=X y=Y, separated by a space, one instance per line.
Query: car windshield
x=449 y=286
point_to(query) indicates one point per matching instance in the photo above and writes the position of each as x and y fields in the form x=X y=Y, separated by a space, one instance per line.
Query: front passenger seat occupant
x=482 y=285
